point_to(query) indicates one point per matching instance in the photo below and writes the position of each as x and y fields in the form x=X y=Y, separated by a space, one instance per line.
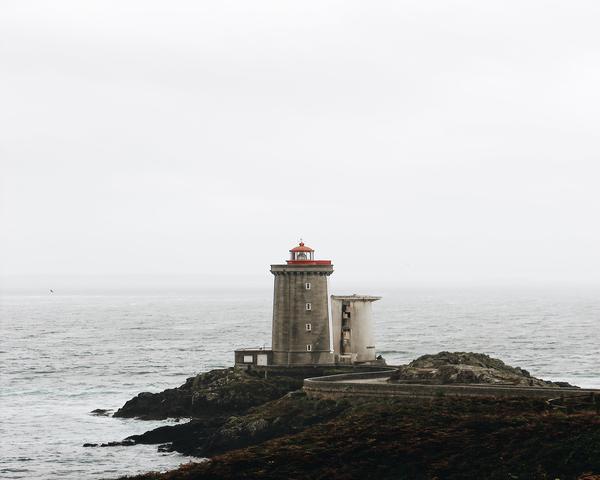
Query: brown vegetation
x=443 y=439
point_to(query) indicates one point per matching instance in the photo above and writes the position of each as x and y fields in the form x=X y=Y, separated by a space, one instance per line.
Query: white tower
x=353 y=329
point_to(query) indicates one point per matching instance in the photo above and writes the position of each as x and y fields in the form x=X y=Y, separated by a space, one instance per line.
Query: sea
x=63 y=355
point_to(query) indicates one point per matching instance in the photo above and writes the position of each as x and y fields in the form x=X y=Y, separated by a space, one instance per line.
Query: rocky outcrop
x=188 y=438
x=101 y=412
x=218 y=392
x=288 y=415
x=209 y=436
x=229 y=408
x=466 y=368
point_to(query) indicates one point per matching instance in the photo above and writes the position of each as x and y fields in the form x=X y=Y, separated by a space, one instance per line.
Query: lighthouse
x=301 y=328
x=303 y=332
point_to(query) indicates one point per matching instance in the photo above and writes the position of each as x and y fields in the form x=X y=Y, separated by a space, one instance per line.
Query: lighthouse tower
x=301 y=330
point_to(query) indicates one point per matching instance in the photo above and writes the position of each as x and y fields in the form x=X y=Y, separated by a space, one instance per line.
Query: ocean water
x=62 y=356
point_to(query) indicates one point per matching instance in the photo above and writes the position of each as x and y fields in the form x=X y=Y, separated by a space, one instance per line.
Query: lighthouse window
x=308 y=327
x=308 y=306
x=309 y=348
x=307 y=285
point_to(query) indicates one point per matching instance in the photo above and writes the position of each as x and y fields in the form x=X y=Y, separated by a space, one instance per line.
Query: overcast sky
x=412 y=142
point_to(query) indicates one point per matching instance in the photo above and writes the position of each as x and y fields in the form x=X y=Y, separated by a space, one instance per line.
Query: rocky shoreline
x=218 y=392
x=229 y=408
x=256 y=427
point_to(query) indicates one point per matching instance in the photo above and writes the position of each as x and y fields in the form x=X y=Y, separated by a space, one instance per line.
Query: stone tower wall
x=290 y=336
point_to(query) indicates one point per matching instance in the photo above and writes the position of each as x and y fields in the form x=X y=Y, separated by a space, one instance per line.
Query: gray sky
x=411 y=142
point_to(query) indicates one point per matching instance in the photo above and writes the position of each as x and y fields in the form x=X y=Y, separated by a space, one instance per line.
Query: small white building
x=352 y=328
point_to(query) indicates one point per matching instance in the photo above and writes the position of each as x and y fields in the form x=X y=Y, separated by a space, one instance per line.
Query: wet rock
x=124 y=443
x=101 y=412
x=174 y=402
x=185 y=438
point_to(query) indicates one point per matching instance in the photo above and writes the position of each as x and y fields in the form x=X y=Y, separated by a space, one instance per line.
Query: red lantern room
x=303 y=255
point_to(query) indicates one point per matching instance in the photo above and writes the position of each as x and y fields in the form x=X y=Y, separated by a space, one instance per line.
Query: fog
x=193 y=143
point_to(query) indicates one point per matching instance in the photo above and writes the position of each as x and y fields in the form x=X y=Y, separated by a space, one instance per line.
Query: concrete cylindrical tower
x=353 y=330
x=301 y=334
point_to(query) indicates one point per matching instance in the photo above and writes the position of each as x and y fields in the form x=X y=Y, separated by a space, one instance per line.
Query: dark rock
x=466 y=368
x=220 y=392
x=124 y=443
x=185 y=438
x=565 y=385
x=216 y=392
x=174 y=402
x=215 y=434
x=101 y=412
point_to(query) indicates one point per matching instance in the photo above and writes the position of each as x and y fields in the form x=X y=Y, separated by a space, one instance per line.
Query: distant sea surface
x=62 y=356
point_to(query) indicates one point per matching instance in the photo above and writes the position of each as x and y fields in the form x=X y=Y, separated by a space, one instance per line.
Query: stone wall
x=349 y=385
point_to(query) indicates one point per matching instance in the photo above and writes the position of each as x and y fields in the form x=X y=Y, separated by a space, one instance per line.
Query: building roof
x=301 y=248
x=355 y=298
